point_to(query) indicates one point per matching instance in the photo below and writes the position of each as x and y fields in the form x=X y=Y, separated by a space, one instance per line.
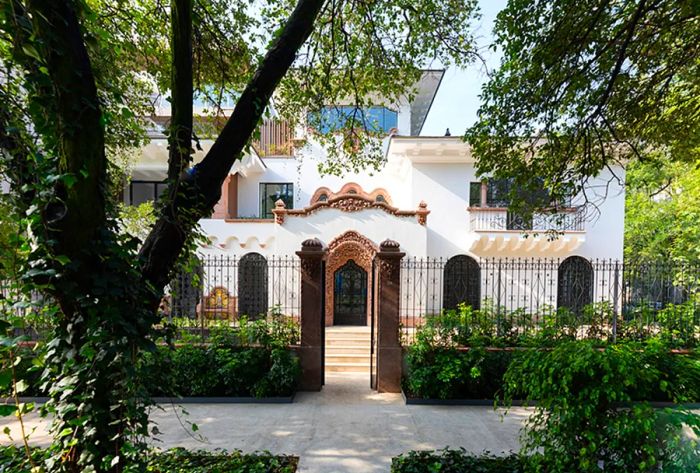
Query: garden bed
x=179 y=460
x=456 y=461
x=183 y=400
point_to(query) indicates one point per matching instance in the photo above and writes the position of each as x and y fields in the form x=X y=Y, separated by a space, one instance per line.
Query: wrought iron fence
x=524 y=291
x=228 y=287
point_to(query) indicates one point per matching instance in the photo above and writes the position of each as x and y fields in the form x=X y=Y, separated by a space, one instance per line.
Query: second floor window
x=143 y=191
x=374 y=119
x=271 y=193
x=498 y=193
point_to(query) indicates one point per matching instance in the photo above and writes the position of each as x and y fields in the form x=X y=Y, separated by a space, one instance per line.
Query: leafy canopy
x=587 y=84
x=662 y=211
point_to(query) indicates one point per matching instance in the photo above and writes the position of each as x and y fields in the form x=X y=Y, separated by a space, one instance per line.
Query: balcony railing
x=500 y=219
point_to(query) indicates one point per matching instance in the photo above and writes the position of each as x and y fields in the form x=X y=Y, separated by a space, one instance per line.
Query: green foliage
x=137 y=220
x=455 y=461
x=584 y=417
x=276 y=330
x=447 y=373
x=177 y=460
x=585 y=84
x=677 y=325
x=661 y=212
x=211 y=371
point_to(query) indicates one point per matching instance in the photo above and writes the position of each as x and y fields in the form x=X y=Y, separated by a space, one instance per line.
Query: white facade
x=436 y=171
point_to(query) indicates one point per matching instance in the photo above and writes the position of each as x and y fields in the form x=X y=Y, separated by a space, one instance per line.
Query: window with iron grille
x=252 y=285
x=575 y=284
x=271 y=193
x=461 y=282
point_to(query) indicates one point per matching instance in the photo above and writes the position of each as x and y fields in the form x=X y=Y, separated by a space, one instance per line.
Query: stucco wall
x=443 y=186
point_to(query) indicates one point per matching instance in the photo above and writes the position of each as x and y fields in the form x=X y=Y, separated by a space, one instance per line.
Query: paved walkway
x=345 y=428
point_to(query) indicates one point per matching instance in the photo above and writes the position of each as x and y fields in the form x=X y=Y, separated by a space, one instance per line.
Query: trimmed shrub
x=14 y=460
x=210 y=371
x=455 y=461
x=447 y=373
x=585 y=420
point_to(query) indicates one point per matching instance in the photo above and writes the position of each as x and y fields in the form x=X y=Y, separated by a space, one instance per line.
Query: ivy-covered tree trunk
x=107 y=302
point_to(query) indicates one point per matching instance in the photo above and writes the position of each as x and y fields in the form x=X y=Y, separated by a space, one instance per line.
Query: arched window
x=322 y=197
x=380 y=198
x=252 y=285
x=185 y=290
x=575 y=284
x=461 y=282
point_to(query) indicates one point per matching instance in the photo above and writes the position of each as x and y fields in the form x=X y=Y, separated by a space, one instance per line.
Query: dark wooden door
x=350 y=295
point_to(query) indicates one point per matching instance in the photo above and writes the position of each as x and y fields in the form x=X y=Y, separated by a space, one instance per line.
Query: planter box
x=184 y=400
x=419 y=401
x=225 y=400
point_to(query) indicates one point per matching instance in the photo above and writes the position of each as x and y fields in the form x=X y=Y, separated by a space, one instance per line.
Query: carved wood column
x=389 y=354
x=312 y=256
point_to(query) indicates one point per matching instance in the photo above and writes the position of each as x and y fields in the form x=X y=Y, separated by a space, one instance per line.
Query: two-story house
x=427 y=197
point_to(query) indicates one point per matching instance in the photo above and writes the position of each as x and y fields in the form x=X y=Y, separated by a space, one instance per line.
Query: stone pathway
x=345 y=428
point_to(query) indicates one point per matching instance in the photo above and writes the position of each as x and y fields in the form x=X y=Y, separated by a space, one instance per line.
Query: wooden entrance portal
x=350 y=295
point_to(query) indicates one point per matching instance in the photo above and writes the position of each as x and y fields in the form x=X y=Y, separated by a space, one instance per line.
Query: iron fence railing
x=513 y=288
x=228 y=287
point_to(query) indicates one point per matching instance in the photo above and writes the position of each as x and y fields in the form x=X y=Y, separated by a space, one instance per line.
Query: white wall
x=375 y=224
x=605 y=224
x=268 y=238
x=443 y=186
x=303 y=173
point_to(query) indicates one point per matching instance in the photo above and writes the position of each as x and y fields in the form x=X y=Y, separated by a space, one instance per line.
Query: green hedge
x=448 y=373
x=179 y=460
x=206 y=371
x=202 y=371
x=585 y=417
x=455 y=461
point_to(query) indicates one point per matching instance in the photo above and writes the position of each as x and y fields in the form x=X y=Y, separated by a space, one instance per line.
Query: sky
x=457 y=99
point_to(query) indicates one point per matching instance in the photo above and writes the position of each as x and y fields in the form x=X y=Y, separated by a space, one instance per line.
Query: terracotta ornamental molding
x=348 y=246
x=350 y=203
x=324 y=193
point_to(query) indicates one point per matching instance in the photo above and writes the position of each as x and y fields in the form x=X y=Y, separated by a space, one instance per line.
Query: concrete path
x=345 y=428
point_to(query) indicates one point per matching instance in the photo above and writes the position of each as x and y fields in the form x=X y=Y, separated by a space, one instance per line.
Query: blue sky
x=457 y=99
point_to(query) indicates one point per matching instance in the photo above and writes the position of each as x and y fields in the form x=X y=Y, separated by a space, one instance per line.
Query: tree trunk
x=181 y=95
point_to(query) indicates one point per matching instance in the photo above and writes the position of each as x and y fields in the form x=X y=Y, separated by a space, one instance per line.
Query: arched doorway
x=350 y=295
x=350 y=246
x=575 y=284
x=461 y=283
x=252 y=285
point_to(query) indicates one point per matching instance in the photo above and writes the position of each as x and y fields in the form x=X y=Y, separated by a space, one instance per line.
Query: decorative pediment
x=349 y=203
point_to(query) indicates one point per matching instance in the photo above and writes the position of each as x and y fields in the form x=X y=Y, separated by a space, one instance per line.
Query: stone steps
x=347 y=349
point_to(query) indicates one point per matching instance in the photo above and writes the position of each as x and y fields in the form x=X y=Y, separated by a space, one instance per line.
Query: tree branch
x=202 y=187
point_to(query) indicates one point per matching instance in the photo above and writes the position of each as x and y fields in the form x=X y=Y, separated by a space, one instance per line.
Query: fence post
x=389 y=353
x=312 y=256
x=616 y=300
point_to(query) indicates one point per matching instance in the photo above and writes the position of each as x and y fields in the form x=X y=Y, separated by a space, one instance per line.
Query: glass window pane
x=271 y=193
x=475 y=194
x=330 y=119
x=141 y=192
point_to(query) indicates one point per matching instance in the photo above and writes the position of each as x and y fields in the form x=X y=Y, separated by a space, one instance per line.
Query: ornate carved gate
x=350 y=295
